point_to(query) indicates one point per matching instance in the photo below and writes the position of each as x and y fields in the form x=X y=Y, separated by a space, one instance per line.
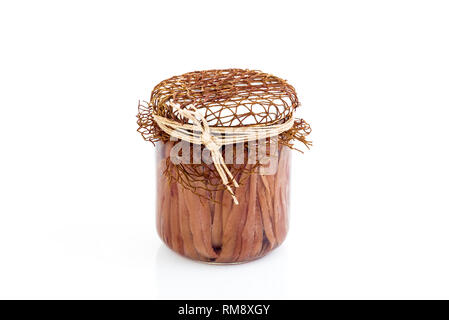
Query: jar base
x=222 y=263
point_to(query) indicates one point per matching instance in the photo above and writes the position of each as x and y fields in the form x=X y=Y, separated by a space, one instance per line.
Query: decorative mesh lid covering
x=228 y=98
x=233 y=98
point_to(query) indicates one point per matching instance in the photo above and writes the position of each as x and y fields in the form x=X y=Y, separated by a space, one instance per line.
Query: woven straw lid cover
x=227 y=97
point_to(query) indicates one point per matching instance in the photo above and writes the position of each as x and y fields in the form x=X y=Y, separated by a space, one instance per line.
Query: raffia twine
x=213 y=138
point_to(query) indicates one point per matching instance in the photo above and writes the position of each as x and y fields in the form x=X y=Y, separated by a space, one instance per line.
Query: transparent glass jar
x=208 y=226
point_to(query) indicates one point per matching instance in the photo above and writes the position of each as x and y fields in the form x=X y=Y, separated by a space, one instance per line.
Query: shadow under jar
x=208 y=226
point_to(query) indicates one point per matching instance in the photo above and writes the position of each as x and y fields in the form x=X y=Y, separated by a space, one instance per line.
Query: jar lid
x=227 y=97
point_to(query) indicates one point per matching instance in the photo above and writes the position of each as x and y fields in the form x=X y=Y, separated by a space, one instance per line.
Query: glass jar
x=214 y=205
x=208 y=226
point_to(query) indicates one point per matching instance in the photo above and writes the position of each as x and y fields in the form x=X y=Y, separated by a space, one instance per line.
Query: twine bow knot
x=210 y=142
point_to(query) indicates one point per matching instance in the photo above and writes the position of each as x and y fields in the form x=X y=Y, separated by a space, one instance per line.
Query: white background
x=370 y=204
